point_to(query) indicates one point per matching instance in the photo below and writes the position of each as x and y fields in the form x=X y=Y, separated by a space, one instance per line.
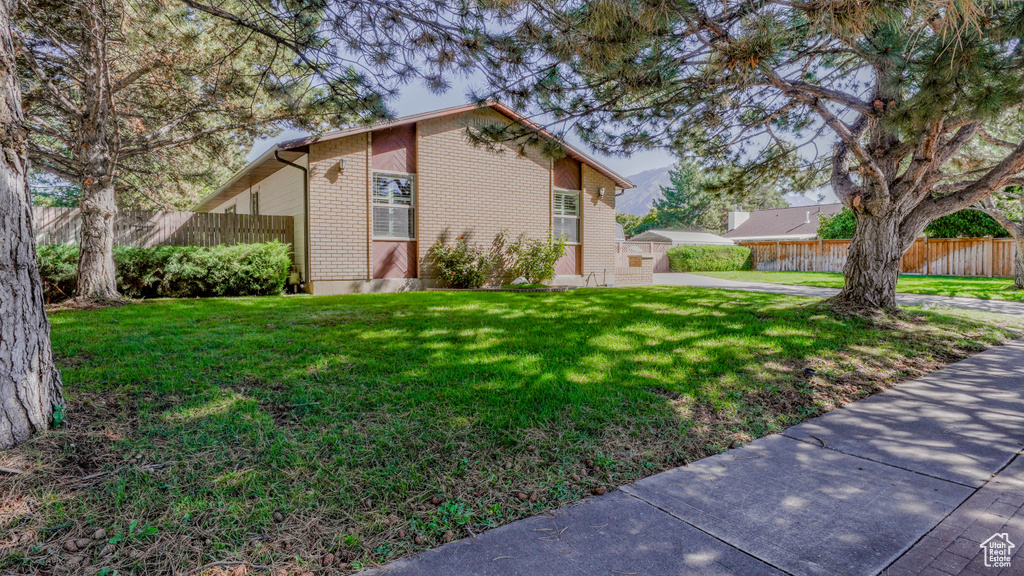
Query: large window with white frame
x=566 y=217
x=394 y=206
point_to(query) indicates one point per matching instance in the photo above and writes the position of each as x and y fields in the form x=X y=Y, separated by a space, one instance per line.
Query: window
x=254 y=203
x=567 y=215
x=393 y=206
x=233 y=209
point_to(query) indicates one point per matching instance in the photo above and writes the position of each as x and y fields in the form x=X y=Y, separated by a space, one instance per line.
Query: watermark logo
x=998 y=550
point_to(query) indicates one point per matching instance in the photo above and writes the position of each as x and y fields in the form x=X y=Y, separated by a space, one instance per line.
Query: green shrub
x=963 y=224
x=58 y=267
x=176 y=271
x=535 y=259
x=461 y=265
x=708 y=258
x=838 y=227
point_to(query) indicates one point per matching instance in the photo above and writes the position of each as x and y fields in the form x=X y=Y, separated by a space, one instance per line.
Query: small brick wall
x=639 y=270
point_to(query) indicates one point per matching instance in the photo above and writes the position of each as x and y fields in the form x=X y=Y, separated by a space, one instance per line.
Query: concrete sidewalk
x=683 y=279
x=908 y=482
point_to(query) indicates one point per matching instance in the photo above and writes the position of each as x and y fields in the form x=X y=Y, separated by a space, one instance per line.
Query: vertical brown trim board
x=369 y=206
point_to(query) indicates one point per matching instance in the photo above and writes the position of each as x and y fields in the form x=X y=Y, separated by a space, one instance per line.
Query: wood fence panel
x=833 y=255
x=764 y=255
x=1004 y=258
x=146 y=228
x=913 y=261
x=933 y=256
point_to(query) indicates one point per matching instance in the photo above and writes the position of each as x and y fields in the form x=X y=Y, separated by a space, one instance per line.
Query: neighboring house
x=369 y=202
x=793 y=223
x=681 y=238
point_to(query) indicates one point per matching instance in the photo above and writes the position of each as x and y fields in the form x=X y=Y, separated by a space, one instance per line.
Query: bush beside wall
x=176 y=271
x=708 y=258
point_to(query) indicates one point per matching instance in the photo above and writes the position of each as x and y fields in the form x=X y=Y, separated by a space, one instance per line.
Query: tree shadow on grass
x=355 y=412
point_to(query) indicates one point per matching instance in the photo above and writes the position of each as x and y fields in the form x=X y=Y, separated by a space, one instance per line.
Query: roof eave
x=242 y=172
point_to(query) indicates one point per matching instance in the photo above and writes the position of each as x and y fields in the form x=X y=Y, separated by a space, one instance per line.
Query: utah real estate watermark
x=997 y=550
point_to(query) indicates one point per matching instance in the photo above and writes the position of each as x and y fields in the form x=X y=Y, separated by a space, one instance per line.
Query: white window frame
x=412 y=204
x=254 y=203
x=577 y=216
x=233 y=209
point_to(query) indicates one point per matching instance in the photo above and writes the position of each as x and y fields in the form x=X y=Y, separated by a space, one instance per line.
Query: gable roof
x=267 y=164
x=792 y=221
x=680 y=237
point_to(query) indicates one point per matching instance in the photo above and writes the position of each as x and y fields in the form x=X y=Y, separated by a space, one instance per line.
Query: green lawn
x=962 y=286
x=280 y=430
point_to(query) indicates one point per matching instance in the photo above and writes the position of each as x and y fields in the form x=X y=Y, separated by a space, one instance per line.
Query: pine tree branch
x=55 y=164
x=963 y=184
x=963 y=135
x=988 y=137
x=157 y=145
x=988 y=206
x=130 y=78
x=295 y=48
x=59 y=97
x=163 y=131
x=848 y=100
x=41 y=127
x=997 y=177
x=924 y=159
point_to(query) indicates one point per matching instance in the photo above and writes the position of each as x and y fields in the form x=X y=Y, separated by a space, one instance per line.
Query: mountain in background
x=640 y=200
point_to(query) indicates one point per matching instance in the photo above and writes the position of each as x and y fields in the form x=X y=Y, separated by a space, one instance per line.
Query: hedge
x=176 y=271
x=967 y=223
x=708 y=258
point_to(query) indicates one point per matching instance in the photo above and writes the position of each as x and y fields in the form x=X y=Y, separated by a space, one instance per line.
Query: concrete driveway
x=912 y=481
x=683 y=279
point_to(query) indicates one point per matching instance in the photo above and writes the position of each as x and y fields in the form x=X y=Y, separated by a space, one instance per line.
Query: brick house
x=369 y=202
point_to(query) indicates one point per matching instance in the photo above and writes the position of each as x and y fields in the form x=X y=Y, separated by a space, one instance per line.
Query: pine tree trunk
x=873 y=263
x=96 y=278
x=30 y=385
x=98 y=149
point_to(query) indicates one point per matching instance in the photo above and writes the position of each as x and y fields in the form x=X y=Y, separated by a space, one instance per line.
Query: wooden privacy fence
x=936 y=256
x=145 y=228
x=623 y=250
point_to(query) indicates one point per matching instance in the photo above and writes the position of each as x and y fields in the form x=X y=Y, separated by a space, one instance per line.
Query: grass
x=961 y=286
x=331 y=433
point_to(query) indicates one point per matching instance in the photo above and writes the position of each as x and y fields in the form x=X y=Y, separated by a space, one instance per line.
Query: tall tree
x=118 y=93
x=128 y=80
x=895 y=88
x=30 y=385
x=694 y=199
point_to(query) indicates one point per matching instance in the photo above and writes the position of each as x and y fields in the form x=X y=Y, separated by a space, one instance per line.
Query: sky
x=415 y=99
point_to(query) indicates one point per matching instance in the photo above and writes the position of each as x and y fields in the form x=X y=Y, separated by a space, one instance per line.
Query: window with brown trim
x=566 y=220
x=394 y=206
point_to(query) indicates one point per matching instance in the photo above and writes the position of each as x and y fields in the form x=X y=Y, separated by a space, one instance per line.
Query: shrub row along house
x=369 y=202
